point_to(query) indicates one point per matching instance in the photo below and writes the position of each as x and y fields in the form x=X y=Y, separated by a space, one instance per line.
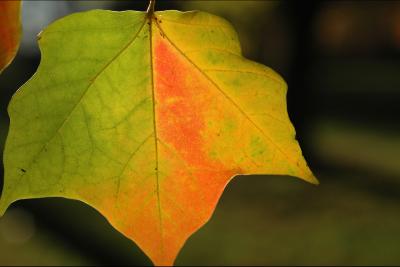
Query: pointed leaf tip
x=3 y=207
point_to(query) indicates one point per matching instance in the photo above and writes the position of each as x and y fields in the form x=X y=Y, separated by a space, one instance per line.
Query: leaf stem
x=150 y=9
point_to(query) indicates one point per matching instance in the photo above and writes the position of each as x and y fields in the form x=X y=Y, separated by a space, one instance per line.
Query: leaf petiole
x=150 y=9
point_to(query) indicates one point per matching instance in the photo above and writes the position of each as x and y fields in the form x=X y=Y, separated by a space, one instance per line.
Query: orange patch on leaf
x=195 y=182
x=10 y=30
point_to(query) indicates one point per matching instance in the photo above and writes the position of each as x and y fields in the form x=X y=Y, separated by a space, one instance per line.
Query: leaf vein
x=150 y=18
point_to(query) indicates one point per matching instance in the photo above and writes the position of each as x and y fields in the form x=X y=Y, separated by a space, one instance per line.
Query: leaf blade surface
x=146 y=120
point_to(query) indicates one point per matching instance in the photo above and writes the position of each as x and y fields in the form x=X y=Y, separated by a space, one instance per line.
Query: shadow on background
x=341 y=62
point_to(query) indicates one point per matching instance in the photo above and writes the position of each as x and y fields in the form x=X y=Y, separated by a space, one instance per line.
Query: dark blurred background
x=341 y=62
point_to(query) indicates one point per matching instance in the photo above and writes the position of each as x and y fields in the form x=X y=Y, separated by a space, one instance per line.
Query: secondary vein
x=92 y=81
x=229 y=99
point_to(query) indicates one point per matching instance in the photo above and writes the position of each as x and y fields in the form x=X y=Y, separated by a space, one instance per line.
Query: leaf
x=10 y=31
x=146 y=119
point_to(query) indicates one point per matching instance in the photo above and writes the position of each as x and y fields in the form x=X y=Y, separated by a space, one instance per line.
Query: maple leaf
x=146 y=117
x=10 y=31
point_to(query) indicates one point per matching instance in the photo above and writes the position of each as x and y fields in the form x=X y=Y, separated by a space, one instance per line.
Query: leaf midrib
x=150 y=18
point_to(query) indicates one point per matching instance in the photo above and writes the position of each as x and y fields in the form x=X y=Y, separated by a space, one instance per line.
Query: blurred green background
x=341 y=62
